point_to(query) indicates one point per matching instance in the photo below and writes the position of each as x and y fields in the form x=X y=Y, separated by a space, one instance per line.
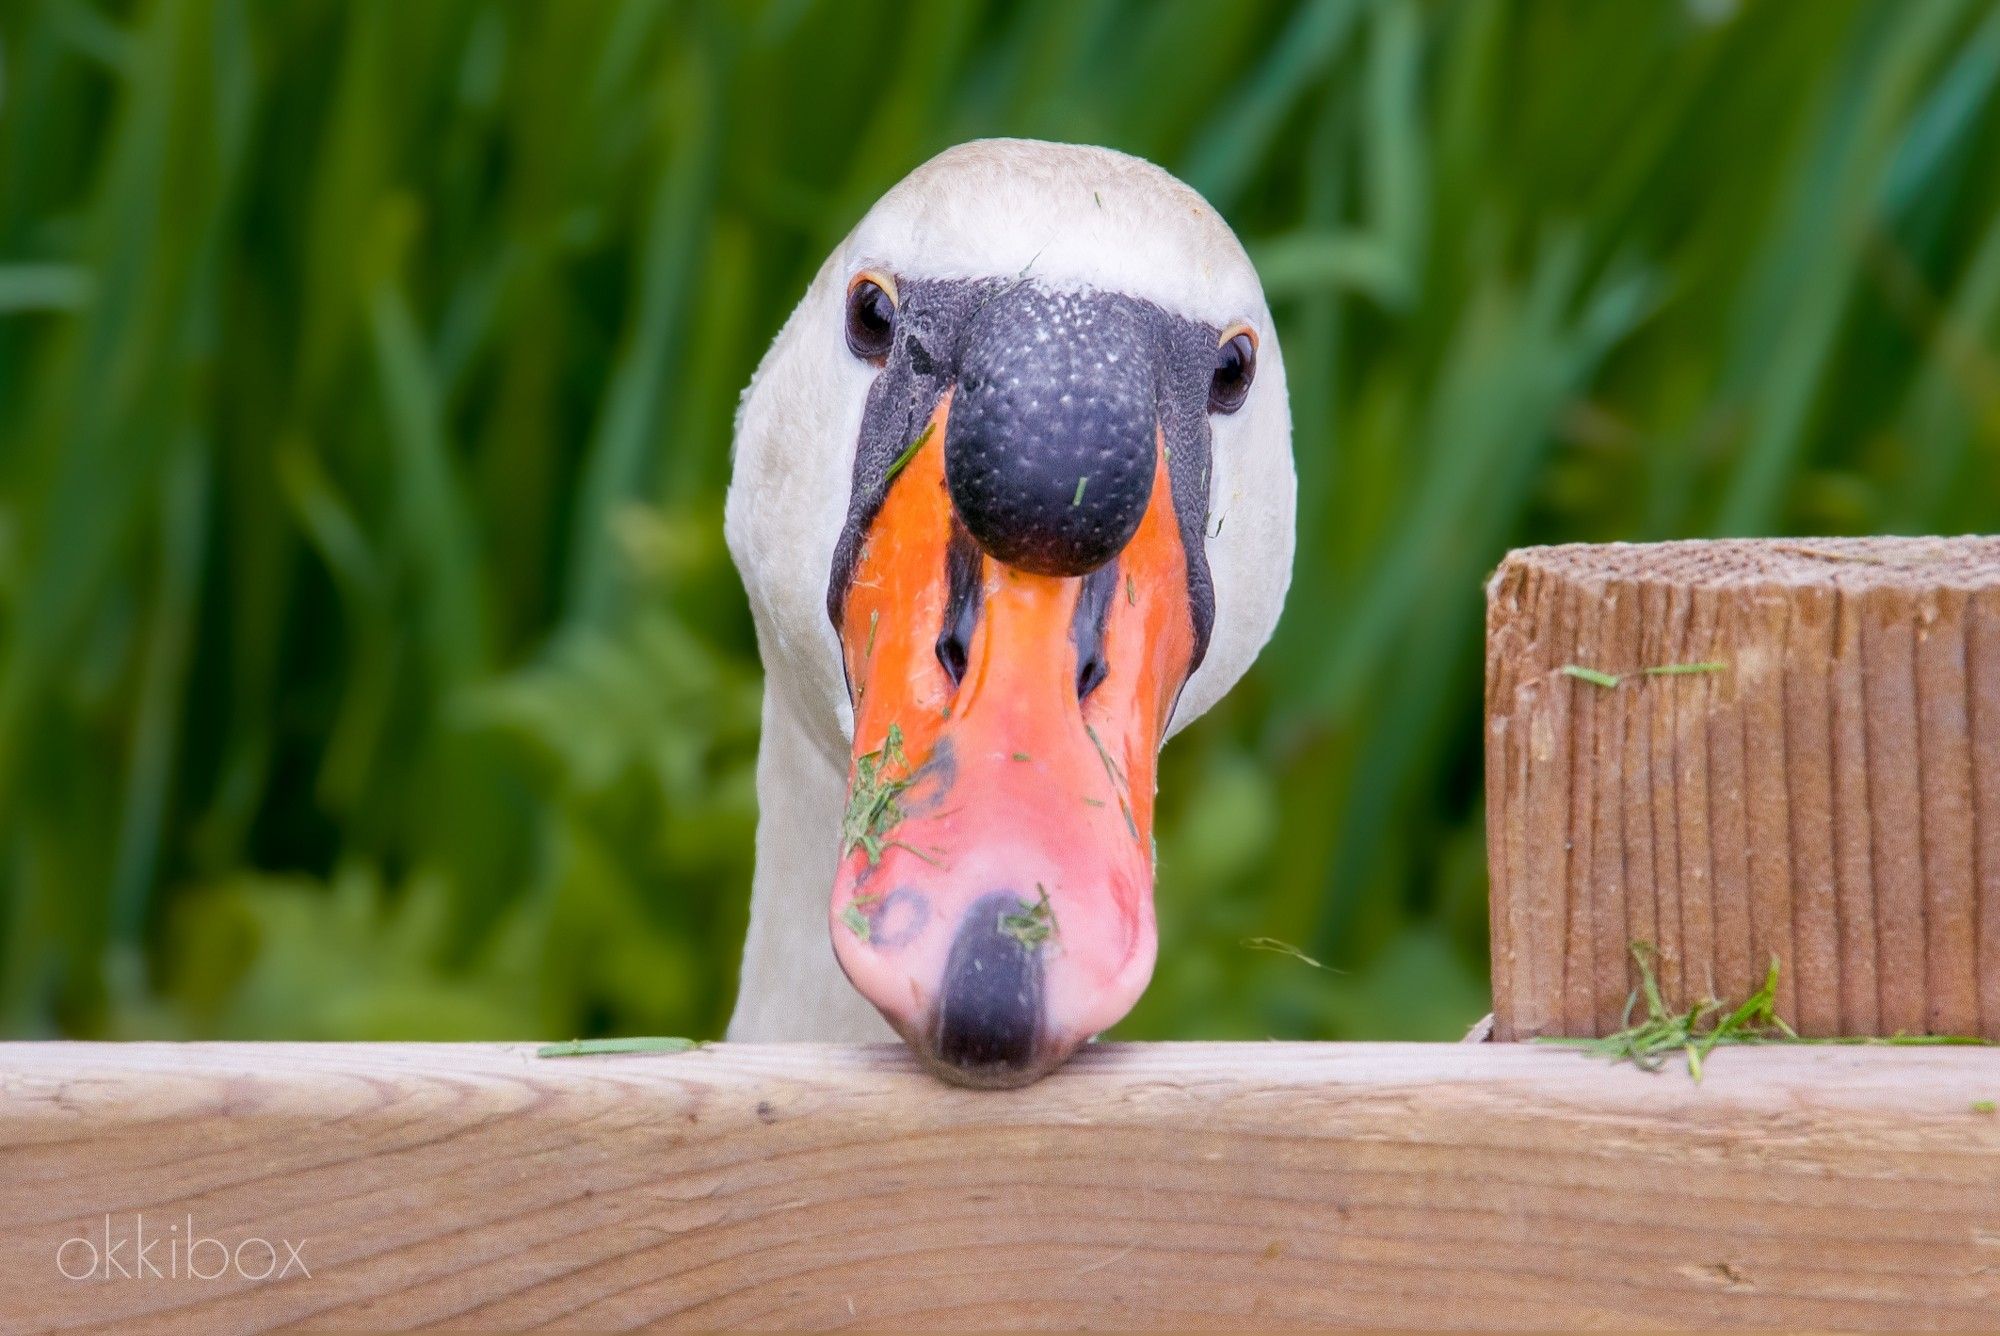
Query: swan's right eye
x=871 y=318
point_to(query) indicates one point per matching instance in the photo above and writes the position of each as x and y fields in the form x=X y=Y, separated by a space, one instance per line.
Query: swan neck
x=792 y=987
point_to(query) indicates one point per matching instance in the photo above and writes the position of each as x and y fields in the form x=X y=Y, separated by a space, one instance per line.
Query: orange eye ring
x=882 y=280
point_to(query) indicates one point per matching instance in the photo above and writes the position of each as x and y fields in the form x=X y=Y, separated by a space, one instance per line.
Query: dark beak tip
x=988 y=1029
x=988 y=1076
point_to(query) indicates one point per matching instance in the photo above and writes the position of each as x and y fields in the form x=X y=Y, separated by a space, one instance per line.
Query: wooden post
x=1800 y=759
x=1176 y=1186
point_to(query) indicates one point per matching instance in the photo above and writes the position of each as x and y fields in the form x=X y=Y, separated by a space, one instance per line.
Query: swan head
x=1013 y=502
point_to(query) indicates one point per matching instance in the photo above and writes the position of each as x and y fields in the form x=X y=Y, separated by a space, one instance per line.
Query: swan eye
x=1235 y=368
x=871 y=318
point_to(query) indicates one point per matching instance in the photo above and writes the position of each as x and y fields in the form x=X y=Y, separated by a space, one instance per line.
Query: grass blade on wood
x=583 y=1048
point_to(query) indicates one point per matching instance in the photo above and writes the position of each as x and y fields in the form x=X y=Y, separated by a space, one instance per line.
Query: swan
x=1012 y=501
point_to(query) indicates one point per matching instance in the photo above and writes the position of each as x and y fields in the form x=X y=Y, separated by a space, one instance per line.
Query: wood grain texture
x=1187 y=1185
x=1831 y=797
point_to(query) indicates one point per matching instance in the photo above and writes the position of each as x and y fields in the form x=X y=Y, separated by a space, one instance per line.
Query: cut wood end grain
x=1828 y=793
x=1970 y=562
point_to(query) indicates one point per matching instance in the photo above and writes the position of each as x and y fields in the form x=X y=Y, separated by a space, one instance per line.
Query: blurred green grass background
x=370 y=665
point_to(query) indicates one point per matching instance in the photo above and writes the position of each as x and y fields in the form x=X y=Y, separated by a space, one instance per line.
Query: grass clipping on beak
x=1033 y=925
x=880 y=776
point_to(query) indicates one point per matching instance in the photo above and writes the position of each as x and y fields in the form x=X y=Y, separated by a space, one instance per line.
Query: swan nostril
x=1086 y=628
x=1090 y=675
x=962 y=562
x=951 y=656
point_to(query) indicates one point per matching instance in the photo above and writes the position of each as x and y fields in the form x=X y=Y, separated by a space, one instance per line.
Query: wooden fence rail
x=1180 y=1185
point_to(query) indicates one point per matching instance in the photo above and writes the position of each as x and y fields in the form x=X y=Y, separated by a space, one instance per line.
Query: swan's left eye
x=1235 y=368
x=871 y=319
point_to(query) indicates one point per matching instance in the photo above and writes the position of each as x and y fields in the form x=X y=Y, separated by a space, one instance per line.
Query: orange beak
x=995 y=892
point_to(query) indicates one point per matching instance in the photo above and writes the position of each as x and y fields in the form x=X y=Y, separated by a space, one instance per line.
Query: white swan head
x=1013 y=501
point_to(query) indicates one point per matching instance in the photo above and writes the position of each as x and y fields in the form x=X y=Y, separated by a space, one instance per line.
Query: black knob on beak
x=1050 y=448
